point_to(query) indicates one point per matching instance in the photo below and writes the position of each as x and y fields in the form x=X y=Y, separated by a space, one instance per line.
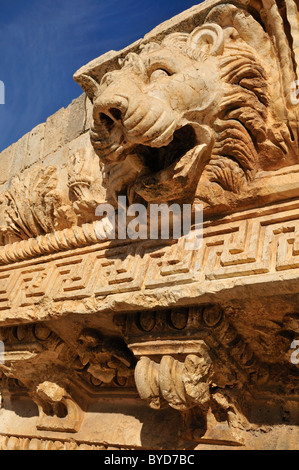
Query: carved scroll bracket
x=193 y=360
x=62 y=412
x=180 y=383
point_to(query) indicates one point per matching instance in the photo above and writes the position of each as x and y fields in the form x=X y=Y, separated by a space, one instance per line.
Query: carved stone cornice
x=15 y=442
x=248 y=249
x=195 y=360
x=61 y=378
x=271 y=187
x=200 y=111
x=189 y=350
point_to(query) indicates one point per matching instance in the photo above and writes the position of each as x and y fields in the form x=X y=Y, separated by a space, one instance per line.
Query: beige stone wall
x=49 y=143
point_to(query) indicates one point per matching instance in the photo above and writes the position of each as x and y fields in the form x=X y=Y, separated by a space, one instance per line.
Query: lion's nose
x=110 y=110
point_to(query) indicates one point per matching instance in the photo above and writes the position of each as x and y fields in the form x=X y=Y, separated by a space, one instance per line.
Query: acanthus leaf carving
x=34 y=205
x=48 y=200
x=108 y=358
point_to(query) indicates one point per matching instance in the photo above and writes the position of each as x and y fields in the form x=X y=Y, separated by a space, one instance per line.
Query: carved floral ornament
x=44 y=200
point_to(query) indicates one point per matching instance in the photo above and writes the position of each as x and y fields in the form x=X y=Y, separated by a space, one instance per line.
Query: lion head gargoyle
x=195 y=115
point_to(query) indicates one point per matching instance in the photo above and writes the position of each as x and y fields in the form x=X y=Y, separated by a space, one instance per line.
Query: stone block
x=54 y=132
x=58 y=158
x=18 y=155
x=74 y=119
x=5 y=164
x=82 y=142
x=35 y=145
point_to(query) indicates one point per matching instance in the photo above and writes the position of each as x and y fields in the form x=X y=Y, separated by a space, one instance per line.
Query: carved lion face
x=193 y=109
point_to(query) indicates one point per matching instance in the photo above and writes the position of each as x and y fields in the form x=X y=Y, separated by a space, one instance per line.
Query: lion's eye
x=158 y=74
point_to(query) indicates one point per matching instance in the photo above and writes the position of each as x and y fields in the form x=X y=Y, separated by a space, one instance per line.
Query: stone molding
x=257 y=244
x=200 y=111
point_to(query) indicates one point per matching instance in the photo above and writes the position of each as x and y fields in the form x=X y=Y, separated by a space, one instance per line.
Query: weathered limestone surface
x=146 y=343
x=45 y=140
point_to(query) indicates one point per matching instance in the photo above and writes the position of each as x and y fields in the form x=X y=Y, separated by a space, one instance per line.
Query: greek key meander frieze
x=260 y=245
x=126 y=340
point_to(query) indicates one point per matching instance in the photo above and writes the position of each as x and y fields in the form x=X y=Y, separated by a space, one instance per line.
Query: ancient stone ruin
x=142 y=342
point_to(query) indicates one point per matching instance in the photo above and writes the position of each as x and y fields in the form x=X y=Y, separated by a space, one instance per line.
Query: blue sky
x=43 y=42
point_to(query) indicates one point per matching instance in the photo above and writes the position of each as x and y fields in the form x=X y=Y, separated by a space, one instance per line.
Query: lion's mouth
x=155 y=160
x=152 y=172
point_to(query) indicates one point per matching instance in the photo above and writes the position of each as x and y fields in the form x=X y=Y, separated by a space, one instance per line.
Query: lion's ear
x=208 y=39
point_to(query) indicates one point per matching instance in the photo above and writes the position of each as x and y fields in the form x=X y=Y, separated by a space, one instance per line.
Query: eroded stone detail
x=201 y=110
x=198 y=114
x=18 y=443
x=217 y=355
x=58 y=377
x=57 y=409
x=204 y=376
x=44 y=200
x=183 y=385
x=108 y=358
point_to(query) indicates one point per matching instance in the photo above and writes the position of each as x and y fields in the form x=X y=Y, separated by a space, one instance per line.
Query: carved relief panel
x=203 y=110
